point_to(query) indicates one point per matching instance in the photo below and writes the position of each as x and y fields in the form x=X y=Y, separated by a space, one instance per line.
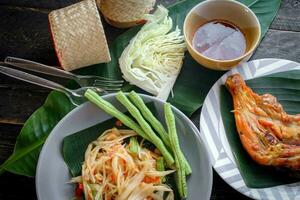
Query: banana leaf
x=34 y=133
x=285 y=87
x=190 y=89
x=74 y=145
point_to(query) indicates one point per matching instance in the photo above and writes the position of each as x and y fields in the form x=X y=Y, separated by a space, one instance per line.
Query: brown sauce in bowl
x=219 y=40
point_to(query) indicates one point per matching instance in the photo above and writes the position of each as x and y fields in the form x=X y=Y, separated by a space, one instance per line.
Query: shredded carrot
x=149 y=179
x=113 y=178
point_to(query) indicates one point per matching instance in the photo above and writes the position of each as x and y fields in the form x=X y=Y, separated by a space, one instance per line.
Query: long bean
x=134 y=145
x=146 y=127
x=181 y=178
x=110 y=109
x=170 y=120
x=181 y=164
x=160 y=166
x=147 y=114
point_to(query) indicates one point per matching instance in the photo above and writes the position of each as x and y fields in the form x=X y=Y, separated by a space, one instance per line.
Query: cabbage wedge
x=154 y=57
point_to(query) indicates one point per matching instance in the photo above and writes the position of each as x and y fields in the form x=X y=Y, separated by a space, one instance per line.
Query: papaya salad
x=133 y=163
x=114 y=169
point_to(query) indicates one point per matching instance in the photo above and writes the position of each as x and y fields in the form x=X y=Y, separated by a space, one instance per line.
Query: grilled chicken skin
x=269 y=135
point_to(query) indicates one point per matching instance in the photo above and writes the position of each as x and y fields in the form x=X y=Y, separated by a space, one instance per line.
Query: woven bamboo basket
x=78 y=35
x=125 y=13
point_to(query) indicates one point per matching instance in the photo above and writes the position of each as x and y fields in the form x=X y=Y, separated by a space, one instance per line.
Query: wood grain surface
x=24 y=32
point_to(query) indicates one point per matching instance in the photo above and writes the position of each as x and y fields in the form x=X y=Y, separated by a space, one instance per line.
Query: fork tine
x=107 y=80
x=112 y=91
x=107 y=85
x=108 y=89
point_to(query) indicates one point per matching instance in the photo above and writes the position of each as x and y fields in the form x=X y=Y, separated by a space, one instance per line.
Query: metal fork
x=83 y=81
x=76 y=96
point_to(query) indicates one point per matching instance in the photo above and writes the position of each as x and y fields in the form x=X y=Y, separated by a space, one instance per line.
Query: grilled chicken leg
x=269 y=135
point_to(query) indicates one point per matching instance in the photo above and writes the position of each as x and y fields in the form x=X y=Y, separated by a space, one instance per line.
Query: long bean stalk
x=110 y=109
x=180 y=178
x=181 y=163
x=146 y=127
x=134 y=145
x=147 y=114
x=160 y=166
x=170 y=120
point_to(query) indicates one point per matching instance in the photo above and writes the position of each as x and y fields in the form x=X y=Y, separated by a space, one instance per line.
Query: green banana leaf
x=34 y=133
x=74 y=145
x=190 y=89
x=285 y=87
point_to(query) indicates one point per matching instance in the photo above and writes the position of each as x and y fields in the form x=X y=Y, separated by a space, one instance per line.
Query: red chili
x=79 y=190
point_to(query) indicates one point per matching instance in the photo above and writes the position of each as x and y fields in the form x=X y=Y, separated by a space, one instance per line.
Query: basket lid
x=78 y=35
x=125 y=13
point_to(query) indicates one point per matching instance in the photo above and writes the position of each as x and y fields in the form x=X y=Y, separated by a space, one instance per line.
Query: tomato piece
x=118 y=123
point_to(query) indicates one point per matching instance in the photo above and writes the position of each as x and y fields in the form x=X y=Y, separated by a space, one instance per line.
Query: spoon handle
x=30 y=78
x=38 y=67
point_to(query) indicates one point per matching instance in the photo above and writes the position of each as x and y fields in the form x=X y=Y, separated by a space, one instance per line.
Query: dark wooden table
x=24 y=33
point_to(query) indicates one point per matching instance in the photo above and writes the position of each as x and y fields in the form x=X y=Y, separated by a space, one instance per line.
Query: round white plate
x=213 y=132
x=52 y=174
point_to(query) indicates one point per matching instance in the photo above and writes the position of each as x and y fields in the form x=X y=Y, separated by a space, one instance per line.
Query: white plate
x=213 y=132
x=52 y=173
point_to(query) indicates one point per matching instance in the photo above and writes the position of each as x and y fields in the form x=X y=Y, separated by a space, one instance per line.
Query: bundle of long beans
x=145 y=125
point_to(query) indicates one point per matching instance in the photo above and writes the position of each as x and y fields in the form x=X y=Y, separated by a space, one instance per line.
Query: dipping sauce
x=219 y=40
